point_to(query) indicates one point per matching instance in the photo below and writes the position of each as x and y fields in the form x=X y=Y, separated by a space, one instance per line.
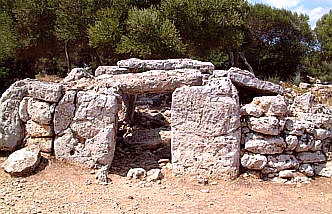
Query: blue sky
x=315 y=9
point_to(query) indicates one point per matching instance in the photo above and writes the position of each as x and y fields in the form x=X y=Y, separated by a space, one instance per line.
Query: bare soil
x=61 y=188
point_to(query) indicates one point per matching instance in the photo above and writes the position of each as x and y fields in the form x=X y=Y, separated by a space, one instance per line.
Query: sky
x=315 y=9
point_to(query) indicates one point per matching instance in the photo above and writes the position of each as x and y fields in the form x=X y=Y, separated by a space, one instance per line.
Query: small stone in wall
x=264 y=125
x=306 y=143
x=322 y=134
x=253 y=161
x=292 y=142
x=311 y=157
x=265 y=145
x=45 y=144
x=37 y=130
x=286 y=174
x=324 y=169
x=282 y=162
x=307 y=170
x=39 y=111
x=22 y=162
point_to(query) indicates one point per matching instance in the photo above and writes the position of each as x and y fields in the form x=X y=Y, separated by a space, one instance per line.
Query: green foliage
x=324 y=34
x=8 y=37
x=150 y=35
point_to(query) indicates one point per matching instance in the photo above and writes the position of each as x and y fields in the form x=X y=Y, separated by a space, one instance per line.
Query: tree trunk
x=231 y=58
x=67 y=57
x=246 y=62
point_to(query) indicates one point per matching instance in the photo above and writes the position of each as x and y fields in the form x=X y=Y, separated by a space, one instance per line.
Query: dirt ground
x=61 y=188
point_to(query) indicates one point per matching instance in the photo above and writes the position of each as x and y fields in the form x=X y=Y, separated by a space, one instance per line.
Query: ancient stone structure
x=214 y=131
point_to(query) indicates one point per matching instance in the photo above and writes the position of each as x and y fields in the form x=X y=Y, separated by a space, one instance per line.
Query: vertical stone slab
x=206 y=130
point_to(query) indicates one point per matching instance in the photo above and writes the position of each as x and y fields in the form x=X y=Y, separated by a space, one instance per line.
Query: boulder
x=286 y=174
x=206 y=130
x=45 y=91
x=311 y=157
x=40 y=112
x=113 y=70
x=253 y=161
x=22 y=162
x=136 y=173
x=264 y=125
x=303 y=103
x=76 y=74
x=265 y=144
x=245 y=79
x=153 y=175
x=282 y=162
x=64 y=112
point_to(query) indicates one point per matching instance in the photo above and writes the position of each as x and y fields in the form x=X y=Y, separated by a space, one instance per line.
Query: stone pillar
x=206 y=130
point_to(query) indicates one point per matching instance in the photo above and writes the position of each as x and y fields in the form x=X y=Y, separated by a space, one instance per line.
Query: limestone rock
x=282 y=162
x=136 y=173
x=311 y=157
x=266 y=105
x=76 y=74
x=307 y=170
x=64 y=112
x=49 y=92
x=22 y=162
x=113 y=70
x=11 y=127
x=298 y=127
x=23 y=109
x=303 y=103
x=286 y=174
x=306 y=143
x=153 y=175
x=38 y=130
x=265 y=145
x=44 y=144
x=93 y=113
x=292 y=142
x=264 y=125
x=39 y=111
x=169 y=64
x=206 y=131
x=253 y=161
x=322 y=134
x=245 y=79
x=324 y=169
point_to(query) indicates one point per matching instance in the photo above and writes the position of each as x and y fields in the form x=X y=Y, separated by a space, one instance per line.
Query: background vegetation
x=52 y=36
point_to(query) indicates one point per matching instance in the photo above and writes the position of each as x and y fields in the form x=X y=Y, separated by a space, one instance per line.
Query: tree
x=8 y=37
x=324 y=35
x=150 y=35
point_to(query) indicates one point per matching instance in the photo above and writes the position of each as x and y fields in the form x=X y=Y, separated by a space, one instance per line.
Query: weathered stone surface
x=311 y=157
x=266 y=105
x=298 y=127
x=292 y=142
x=322 y=134
x=286 y=174
x=149 y=138
x=153 y=175
x=96 y=151
x=324 y=169
x=11 y=127
x=242 y=78
x=114 y=70
x=155 y=81
x=23 y=109
x=136 y=173
x=49 y=92
x=206 y=131
x=44 y=144
x=307 y=170
x=34 y=129
x=282 y=162
x=253 y=161
x=264 y=125
x=64 y=112
x=22 y=162
x=76 y=74
x=169 y=64
x=265 y=145
x=306 y=143
x=93 y=113
x=39 y=111
x=303 y=103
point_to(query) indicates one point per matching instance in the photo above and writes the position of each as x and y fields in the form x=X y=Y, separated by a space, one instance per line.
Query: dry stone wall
x=213 y=133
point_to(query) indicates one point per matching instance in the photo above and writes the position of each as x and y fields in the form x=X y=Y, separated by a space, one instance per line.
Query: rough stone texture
x=265 y=144
x=39 y=111
x=282 y=162
x=136 y=173
x=64 y=112
x=322 y=134
x=264 y=125
x=302 y=103
x=11 y=127
x=34 y=129
x=242 y=78
x=324 y=169
x=266 y=105
x=169 y=64
x=153 y=175
x=114 y=70
x=49 y=92
x=155 y=81
x=298 y=127
x=306 y=143
x=206 y=131
x=307 y=170
x=44 y=144
x=23 y=109
x=311 y=157
x=76 y=74
x=22 y=162
x=292 y=142
x=253 y=161
x=93 y=113
x=149 y=138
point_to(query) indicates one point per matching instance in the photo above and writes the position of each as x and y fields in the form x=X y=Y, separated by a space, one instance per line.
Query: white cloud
x=314 y=14
x=283 y=3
